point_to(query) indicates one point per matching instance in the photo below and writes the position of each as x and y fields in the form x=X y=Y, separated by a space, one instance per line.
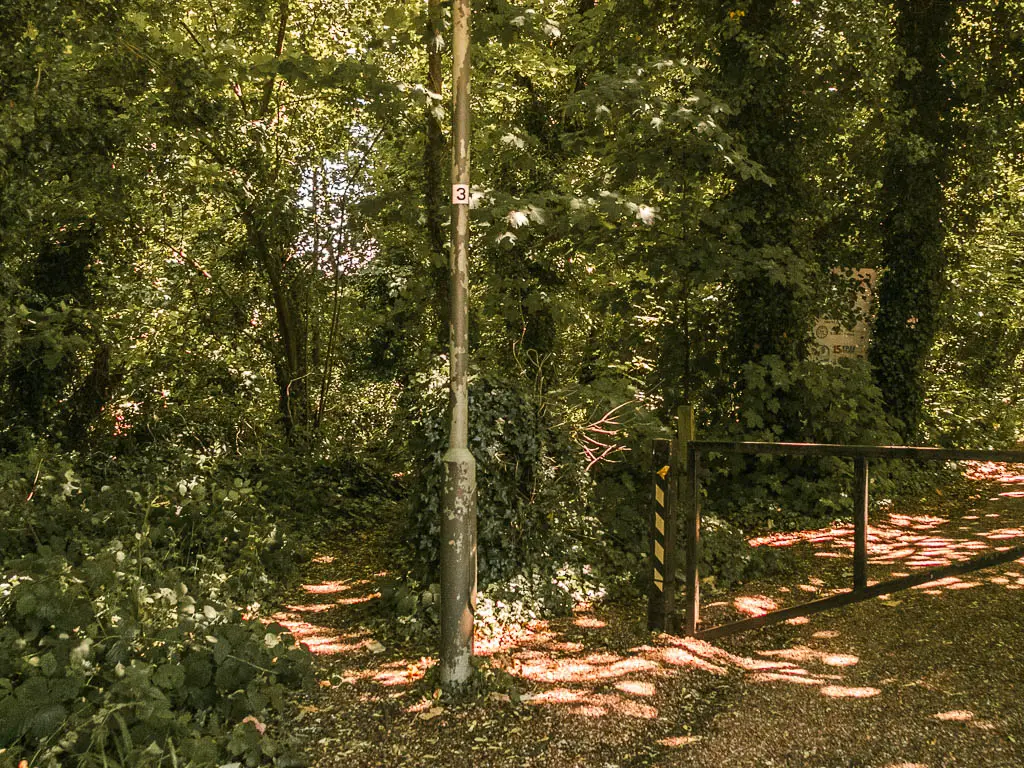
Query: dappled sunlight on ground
x=804 y=655
x=959 y=715
x=562 y=664
x=936 y=664
x=899 y=544
x=568 y=665
x=911 y=541
x=334 y=587
x=847 y=692
x=582 y=686
x=318 y=639
x=993 y=471
x=636 y=688
x=679 y=741
x=964 y=716
x=312 y=622
x=614 y=683
x=754 y=605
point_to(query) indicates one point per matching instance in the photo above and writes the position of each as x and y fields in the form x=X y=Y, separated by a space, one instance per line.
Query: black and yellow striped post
x=661 y=598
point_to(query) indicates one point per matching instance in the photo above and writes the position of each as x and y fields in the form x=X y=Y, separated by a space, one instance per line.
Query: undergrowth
x=122 y=593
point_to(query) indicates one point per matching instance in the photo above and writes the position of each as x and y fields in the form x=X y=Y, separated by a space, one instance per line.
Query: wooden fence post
x=860 y=523
x=671 y=537
x=660 y=597
x=689 y=482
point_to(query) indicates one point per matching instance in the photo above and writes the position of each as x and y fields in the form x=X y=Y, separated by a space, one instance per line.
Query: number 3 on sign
x=460 y=194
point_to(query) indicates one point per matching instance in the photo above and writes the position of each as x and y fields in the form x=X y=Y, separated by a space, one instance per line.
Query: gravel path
x=925 y=678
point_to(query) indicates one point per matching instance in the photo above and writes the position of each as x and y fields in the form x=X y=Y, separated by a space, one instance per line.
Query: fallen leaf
x=431 y=713
x=261 y=727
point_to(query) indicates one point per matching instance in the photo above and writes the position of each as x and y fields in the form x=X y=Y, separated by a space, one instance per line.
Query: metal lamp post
x=458 y=515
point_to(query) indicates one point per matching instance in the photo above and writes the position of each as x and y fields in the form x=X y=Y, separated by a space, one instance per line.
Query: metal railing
x=687 y=456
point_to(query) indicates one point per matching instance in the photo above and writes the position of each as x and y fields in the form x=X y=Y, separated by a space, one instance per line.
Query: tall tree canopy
x=224 y=236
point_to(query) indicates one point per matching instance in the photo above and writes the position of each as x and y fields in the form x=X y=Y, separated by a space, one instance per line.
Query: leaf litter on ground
x=595 y=688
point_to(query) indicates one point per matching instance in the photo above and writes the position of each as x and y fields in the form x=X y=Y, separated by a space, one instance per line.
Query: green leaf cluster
x=108 y=660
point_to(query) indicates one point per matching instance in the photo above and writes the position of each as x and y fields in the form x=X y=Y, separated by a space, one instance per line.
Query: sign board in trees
x=836 y=339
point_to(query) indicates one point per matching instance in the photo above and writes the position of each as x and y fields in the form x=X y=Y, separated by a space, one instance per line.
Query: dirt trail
x=925 y=678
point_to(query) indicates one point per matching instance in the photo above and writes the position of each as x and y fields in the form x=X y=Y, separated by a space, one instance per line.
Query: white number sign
x=460 y=194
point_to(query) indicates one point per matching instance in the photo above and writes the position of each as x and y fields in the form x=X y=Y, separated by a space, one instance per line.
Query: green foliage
x=817 y=403
x=973 y=379
x=120 y=644
x=534 y=514
x=111 y=660
x=222 y=268
x=210 y=524
x=726 y=557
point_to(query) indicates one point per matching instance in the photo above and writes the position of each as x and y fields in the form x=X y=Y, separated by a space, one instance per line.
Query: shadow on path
x=894 y=682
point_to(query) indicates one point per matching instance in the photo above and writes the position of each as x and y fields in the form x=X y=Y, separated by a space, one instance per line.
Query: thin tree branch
x=268 y=86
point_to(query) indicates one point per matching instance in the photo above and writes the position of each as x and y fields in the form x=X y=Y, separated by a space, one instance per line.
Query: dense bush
x=809 y=402
x=536 y=529
x=728 y=559
x=199 y=516
x=113 y=662
x=975 y=391
x=805 y=402
x=119 y=643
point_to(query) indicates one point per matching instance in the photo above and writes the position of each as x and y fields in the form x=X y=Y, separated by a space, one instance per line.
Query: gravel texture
x=924 y=678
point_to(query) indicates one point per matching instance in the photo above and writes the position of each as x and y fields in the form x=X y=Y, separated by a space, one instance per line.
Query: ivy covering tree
x=223 y=277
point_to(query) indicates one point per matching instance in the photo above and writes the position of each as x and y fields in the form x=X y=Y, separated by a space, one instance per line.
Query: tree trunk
x=913 y=197
x=265 y=228
x=434 y=169
x=292 y=365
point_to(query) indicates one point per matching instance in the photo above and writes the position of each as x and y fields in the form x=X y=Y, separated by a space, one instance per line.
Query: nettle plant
x=113 y=662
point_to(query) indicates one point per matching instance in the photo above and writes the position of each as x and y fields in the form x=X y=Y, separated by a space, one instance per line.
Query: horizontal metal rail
x=866 y=593
x=857 y=451
x=695 y=449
